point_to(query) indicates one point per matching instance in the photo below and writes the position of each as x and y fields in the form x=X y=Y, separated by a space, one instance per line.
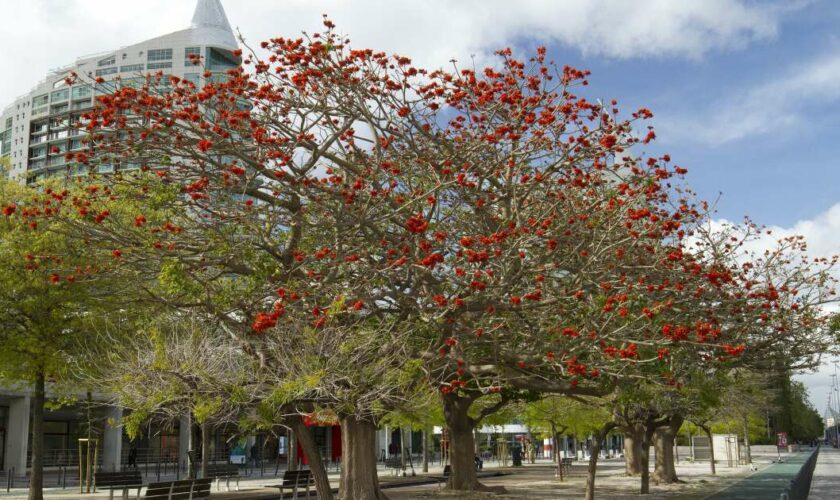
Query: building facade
x=36 y=130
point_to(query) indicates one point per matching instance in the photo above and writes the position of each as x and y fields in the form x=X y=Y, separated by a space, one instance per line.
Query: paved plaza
x=826 y=482
x=537 y=481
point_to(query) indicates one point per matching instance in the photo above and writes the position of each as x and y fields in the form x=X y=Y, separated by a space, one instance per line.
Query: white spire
x=210 y=14
x=210 y=25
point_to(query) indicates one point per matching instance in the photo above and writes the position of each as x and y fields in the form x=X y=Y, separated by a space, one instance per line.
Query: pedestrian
x=132 y=456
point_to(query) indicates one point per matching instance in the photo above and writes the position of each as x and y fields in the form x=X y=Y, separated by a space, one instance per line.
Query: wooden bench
x=125 y=481
x=295 y=479
x=224 y=471
x=444 y=478
x=566 y=463
x=187 y=489
x=394 y=463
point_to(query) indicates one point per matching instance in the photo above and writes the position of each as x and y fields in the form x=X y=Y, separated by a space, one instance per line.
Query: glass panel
x=41 y=100
x=81 y=91
x=131 y=67
x=106 y=87
x=220 y=60
x=160 y=65
x=107 y=61
x=159 y=54
x=55 y=427
x=60 y=95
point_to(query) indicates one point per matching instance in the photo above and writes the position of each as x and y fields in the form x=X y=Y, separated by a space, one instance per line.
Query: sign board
x=781 y=439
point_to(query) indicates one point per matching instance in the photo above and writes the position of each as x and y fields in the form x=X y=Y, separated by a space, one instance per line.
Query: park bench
x=125 y=481
x=186 y=489
x=566 y=463
x=394 y=463
x=224 y=471
x=294 y=479
x=444 y=478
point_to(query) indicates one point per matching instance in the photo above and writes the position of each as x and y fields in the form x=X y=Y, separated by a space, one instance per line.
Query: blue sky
x=746 y=120
x=746 y=93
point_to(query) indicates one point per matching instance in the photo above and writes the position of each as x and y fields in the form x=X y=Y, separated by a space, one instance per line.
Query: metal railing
x=801 y=484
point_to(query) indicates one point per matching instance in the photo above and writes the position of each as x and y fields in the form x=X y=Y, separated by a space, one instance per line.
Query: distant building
x=36 y=129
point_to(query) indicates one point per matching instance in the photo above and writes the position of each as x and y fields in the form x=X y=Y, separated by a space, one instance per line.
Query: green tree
x=44 y=313
x=555 y=415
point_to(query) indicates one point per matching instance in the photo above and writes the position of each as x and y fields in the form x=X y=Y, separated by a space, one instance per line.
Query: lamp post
x=837 y=402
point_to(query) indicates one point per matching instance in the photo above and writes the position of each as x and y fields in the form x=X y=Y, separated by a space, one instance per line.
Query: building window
x=221 y=60
x=159 y=55
x=192 y=77
x=160 y=65
x=107 y=87
x=81 y=92
x=191 y=51
x=41 y=100
x=106 y=71
x=60 y=95
x=134 y=82
x=107 y=61
x=131 y=68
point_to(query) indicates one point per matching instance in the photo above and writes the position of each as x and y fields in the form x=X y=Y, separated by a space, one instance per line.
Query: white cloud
x=783 y=101
x=40 y=34
x=819 y=384
x=822 y=233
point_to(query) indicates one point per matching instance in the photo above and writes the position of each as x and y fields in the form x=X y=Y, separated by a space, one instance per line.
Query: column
x=17 y=435
x=184 y=442
x=112 y=440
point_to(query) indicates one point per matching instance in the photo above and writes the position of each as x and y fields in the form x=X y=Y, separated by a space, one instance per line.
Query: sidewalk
x=826 y=482
x=767 y=483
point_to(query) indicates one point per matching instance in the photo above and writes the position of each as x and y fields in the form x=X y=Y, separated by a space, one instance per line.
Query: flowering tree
x=495 y=225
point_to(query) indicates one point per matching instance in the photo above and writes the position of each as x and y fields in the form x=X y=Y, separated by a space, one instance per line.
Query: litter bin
x=517 y=457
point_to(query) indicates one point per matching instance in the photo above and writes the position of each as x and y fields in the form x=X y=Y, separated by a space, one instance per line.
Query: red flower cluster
x=417 y=224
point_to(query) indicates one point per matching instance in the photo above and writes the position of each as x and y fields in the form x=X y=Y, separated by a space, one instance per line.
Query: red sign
x=781 y=439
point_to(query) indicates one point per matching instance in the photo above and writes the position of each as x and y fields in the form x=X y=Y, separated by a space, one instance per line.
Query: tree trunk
x=403 y=449
x=663 y=445
x=190 y=447
x=747 y=450
x=425 y=436
x=663 y=441
x=645 y=461
x=205 y=448
x=359 y=479
x=462 y=445
x=708 y=432
x=293 y=454
x=316 y=465
x=36 y=479
x=633 y=450
x=555 y=448
x=598 y=439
